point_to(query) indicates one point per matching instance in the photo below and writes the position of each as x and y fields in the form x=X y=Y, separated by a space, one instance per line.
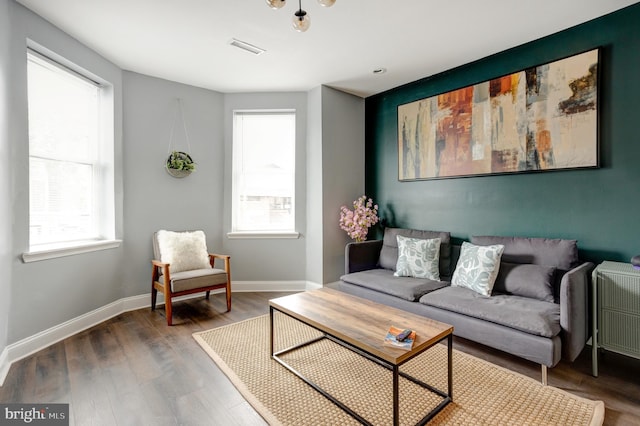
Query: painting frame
x=541 y=118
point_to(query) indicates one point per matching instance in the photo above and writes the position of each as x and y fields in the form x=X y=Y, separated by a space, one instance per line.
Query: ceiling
x=188 y=40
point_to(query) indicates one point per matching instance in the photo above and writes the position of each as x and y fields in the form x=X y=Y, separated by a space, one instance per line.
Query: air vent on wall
x=246 y=46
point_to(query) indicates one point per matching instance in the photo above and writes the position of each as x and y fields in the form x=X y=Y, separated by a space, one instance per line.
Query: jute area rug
x=483 y=393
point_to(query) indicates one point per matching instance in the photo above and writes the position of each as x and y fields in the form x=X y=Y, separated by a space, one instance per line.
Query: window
x=71 y=197
x=263 y=171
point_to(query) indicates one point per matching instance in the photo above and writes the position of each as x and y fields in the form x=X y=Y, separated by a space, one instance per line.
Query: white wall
x=267 y=260
x=153 y=199
x=47 y=293
x=5 y=174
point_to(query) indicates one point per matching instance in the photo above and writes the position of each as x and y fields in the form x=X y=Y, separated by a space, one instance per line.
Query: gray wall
x=5 y=174
x=335 y=177
x=343 y=171
x=47 y=293
x=44 y=294
x=313 y=236
x=268 y=259
x=153 y=199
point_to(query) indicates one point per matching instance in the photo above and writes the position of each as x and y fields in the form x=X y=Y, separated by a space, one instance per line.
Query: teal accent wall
x=598 y=207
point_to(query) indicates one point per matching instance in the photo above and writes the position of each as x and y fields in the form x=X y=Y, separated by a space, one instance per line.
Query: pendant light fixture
x=301 y=21
x=276 y=4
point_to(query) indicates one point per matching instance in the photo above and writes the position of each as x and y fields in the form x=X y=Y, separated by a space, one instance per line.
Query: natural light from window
x=66 y=165
x=263 y=171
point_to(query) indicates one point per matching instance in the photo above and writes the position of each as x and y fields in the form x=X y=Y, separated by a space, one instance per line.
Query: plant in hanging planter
x=179 y=160
x=180 y=164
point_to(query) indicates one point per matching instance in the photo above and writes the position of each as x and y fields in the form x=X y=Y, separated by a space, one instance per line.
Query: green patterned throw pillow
x=478 y=267
x=418 y=258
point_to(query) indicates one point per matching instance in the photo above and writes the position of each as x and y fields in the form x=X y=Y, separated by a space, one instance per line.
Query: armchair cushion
x=198 y=278
x=184 y=251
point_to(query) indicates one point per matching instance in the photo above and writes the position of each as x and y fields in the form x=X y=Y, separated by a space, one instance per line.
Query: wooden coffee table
x=361 y=325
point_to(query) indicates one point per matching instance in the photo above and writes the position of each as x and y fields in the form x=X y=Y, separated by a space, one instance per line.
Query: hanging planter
x=180 y=164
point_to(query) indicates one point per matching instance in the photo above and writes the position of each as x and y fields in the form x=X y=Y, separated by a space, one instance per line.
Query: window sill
x=51 y=251
x=263 y=235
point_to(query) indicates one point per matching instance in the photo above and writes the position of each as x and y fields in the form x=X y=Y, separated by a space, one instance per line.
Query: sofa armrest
x=574 y=310
x=361 y=256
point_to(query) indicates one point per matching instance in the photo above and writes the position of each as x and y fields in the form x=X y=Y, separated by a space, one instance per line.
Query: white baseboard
x=4 y=365
x=30 y=345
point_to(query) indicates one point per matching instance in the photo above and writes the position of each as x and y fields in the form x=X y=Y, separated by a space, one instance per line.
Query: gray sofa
x=538 y=309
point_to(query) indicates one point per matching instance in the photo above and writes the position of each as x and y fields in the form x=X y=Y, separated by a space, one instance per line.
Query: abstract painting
x=541 y=118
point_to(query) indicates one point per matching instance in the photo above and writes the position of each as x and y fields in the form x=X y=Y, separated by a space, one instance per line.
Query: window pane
x=264 y=171
x=63 y=113
x=64 y=123
x=60 y=201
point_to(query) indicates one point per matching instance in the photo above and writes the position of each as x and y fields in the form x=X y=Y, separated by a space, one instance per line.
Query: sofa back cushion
x=561 y=254
x=389 y=251
x=557 y=253
x=526 y=280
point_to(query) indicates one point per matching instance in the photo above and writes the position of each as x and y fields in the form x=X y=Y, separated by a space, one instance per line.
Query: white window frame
x=237 y=173
x=103 y=190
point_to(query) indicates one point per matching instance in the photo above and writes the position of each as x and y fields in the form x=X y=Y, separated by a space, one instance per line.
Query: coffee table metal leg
x=450 y=366
x=396 y=396
x=271 y=327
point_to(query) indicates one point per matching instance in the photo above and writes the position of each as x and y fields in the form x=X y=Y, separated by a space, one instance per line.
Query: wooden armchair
x=182 y=265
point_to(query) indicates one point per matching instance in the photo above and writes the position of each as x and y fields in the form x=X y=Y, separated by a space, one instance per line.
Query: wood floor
x=134 y=370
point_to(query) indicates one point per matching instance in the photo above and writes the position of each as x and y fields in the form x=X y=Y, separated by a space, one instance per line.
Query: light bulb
x=275 y=4
x=301 y=21
x=327 y=3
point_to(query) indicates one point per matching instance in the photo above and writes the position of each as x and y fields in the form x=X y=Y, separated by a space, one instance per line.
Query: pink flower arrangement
x=357 y=221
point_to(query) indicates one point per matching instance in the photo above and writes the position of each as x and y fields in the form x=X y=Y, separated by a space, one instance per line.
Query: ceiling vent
x=246 y=46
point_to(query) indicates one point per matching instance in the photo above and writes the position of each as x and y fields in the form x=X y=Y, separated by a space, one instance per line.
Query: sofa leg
x=544 y=375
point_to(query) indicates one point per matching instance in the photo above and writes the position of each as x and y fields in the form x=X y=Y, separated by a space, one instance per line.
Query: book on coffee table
x=392 y=340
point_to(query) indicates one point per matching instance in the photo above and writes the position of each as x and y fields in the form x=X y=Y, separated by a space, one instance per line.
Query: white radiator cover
x=616 y=309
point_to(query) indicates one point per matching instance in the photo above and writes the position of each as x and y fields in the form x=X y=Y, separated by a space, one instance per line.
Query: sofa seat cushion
x=521 y=313
x=382 y=280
